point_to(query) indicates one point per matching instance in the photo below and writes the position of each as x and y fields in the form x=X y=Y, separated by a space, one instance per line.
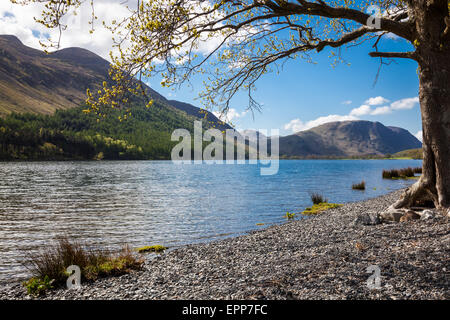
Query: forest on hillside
x=72 y=134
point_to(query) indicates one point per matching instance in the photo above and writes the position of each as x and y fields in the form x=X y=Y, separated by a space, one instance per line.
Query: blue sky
x=308 y=91
x=300 y=96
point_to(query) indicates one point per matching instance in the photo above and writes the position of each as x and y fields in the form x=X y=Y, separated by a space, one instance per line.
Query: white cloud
x=419 y=135
x=403 y=104
x=294 y=125
x=347 y=102
x=19 y=21
x=380 y=111
x=392 y=36
x=365 y=109
x=230 y=115
x=361 y=111
x=329 y=118
x=297 y=125
x=376 y=101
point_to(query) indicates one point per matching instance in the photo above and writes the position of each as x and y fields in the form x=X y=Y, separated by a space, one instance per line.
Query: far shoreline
x=141 y=160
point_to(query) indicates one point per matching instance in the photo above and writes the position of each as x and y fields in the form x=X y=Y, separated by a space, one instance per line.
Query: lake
x=110 y=203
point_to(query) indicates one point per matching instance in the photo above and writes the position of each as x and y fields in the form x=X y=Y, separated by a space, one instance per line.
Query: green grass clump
x=359 y=186
x=289 y=215
x=320 y=207
x=36 y=286
x=156 y=248
x=317 y=198
x=48 y=267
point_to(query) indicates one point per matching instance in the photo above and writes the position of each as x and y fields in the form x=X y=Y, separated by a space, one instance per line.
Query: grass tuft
x=320 y=207
x=36 y=286
x=48 y=267
x=317 y=198
x=289 y=215
x=401 y=173
x=156 y=248
x=359 y=186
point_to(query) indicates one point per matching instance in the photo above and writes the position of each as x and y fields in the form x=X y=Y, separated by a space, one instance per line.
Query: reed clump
x=404 y=173
x=317 y=198
x=359 y=186
x=49 y=266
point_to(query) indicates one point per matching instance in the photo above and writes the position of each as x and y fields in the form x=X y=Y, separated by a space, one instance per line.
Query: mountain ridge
x=34 y=81
x=348 y=138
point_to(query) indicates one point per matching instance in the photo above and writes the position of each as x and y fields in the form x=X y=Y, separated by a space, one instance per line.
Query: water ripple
x=156 y=202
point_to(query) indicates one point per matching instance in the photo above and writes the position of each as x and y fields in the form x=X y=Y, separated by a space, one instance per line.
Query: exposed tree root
x=418 y=195
x=417 y=198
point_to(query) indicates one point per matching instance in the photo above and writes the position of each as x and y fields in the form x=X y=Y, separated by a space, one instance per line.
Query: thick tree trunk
x=433 y=55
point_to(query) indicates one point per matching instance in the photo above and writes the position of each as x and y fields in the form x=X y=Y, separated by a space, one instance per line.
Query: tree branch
x=349 y=37
x=402 y=29
x=406 y=55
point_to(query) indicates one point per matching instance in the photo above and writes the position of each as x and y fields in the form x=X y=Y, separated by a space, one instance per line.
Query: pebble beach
x=322 y=257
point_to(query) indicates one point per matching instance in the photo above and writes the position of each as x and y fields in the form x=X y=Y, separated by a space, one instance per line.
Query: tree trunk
x=433 y=55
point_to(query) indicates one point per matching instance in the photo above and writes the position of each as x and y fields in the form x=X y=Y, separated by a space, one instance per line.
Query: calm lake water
x=110 y=203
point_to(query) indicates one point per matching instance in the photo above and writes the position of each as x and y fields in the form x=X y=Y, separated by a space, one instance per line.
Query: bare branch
x=349 y=37
x=405 y=55
x=402 y=29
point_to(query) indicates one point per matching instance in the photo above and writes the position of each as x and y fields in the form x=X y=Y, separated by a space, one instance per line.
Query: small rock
x=366 y=219
x=427 y=215
x=391 y=215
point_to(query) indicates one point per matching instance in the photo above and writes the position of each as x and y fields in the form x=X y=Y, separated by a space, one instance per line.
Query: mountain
x=39 y=84
x=348 y=139
x=36 y=82
x=41 y=101
x=200 y=113
x=253 y=135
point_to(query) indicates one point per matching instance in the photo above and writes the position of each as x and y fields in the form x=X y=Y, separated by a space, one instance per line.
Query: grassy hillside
x=408 y=154
x=32 y=81
x=35 y=82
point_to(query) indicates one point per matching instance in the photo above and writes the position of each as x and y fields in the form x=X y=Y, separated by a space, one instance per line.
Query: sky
x=299 y=97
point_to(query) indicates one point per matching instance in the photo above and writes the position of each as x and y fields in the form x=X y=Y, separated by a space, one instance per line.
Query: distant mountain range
x=348 y=139
x=34 y=82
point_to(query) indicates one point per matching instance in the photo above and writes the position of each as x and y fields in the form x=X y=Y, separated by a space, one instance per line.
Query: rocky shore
x=322 y=257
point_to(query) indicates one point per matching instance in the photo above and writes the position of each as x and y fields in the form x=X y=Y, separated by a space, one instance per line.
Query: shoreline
x=125 y=160
x=322 y=257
